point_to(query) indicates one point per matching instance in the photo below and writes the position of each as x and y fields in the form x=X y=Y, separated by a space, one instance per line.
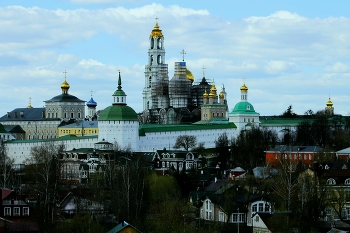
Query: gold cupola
x=156 y=32
x=205 y=95
x=244 y=88
x=329 y=103
x=212 y=92
x=189 y=75
x=65 y=86
x=221 y=95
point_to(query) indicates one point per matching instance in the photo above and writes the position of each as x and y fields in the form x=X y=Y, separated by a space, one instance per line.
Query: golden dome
x=156 y=32
x=65 y=85
x=221 y=95
x=205 y=95
x=329 y=103
x=244 y=88
x=189 y=75
x=213 y=88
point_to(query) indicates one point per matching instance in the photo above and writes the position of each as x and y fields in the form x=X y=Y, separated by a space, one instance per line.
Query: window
x=222 y=217
x=261 y=207
x=16 y=211
x=347 y=181
x=7 y=211
x=25 y=211
x=207 y=209
x=331 y=181
x=237 y=217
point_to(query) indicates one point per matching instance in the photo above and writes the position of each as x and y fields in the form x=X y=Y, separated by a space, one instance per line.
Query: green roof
x=148 y=128
x=243 y=107
x=278 y=121
x=118 y=113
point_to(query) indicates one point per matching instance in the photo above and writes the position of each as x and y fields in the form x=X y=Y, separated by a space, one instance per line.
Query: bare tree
x=6 y=164
x=43 y=164
x=285 y=183
x=185 y=141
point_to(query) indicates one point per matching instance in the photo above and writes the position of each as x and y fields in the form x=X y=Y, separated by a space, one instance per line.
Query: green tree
x=185 y=141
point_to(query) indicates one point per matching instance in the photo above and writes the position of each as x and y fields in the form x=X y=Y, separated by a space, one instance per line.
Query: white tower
x=156 y=91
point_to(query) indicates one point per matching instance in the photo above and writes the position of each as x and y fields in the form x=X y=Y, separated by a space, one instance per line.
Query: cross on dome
x=183 y=54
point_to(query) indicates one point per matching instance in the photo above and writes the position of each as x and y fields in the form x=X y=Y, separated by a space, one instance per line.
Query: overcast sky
x=287 y=52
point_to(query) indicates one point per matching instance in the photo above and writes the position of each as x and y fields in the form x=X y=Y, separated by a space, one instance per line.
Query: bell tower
x=156 y=91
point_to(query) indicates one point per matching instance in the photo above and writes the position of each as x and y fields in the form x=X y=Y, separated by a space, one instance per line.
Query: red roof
x=5 y=193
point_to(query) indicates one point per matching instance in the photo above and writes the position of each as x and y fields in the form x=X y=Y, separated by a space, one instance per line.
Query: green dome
x=243 y=108
x=118 y=113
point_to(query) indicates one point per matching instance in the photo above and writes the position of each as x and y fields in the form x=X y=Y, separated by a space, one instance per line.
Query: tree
x=44 y=167
x=289 y=113
x=185 y=141
x=221 y=147
x=5 y=165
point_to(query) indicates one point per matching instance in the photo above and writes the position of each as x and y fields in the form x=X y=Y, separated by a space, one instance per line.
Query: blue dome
x=91 y=103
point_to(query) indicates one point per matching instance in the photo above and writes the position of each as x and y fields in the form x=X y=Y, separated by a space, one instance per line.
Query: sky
x=287 y=52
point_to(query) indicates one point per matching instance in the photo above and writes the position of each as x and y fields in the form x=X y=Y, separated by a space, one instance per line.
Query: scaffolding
x=180 y=87
x=160 y=88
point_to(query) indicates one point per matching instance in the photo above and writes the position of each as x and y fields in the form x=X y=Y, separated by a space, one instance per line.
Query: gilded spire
x=156 y=32
x=30 y=103
x=329 y=103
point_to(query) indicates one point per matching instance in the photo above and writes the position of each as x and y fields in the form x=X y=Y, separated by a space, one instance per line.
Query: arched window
x=331 y=181
x=152 y=43
x=347 y=181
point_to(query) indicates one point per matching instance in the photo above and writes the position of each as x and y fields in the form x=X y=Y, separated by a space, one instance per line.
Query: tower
x=156 y=91
x=119 y=123
x=329 y=110
x=243 y=114
x=91 y=104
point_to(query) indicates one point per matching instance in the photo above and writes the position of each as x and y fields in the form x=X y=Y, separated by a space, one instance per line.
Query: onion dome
x=156 y=32
x=205 y=95
x=65 y=86
x=244 y=88
x=329 y=103
x=212 y=91
x=189 y=75
x=221 y=95
x=91 y=103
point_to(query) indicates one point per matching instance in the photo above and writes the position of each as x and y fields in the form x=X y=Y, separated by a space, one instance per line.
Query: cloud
x=275 y=67
x=338 y=68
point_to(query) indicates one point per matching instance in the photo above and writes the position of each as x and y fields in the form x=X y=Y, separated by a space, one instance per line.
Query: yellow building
x=83 y=128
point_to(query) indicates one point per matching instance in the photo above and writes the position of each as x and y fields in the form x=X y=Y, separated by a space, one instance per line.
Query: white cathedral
x=170 y=108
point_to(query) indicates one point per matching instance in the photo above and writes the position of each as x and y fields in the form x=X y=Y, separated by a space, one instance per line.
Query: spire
x=119 y=96
x=30 y=103
x=183 y=54
x=156 y=32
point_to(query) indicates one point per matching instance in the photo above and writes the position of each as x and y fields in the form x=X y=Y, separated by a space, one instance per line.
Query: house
x=260 y=222
x=305 y=154
x=124 y=227
x=15 y=214
x=78 y=201
x=175 y=160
